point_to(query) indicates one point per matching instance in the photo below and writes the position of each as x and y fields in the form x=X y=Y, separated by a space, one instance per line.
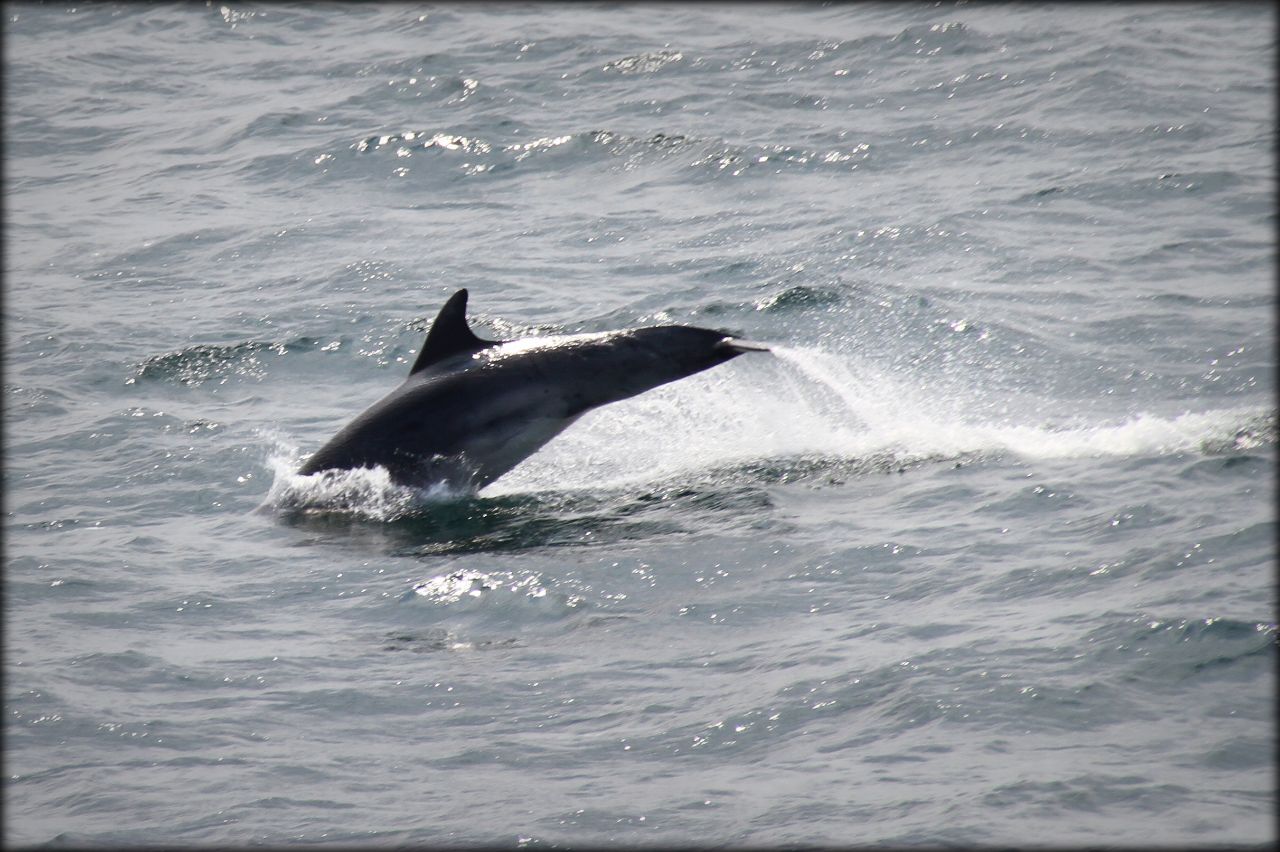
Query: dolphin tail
x=738 y=346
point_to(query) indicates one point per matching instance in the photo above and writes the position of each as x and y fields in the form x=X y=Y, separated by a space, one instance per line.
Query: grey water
x=982 y=553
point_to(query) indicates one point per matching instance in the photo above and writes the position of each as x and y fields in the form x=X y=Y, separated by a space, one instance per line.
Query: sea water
x=981 y=553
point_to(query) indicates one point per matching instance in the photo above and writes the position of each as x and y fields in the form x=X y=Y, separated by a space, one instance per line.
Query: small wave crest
x=194 y=365
x=446 y=151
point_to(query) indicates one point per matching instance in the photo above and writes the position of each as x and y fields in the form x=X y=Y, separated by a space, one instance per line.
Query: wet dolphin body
x=472 y=409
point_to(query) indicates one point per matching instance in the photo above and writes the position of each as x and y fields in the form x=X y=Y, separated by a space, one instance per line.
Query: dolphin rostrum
x=472 y=409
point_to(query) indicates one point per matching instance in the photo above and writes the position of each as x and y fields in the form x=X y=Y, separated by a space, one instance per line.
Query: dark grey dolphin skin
x=472 y=409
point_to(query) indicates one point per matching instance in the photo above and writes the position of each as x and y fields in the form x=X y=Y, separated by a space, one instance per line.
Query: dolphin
x=471 y=409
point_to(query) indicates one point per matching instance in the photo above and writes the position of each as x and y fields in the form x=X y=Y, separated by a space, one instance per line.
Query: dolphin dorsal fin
x=449 y=335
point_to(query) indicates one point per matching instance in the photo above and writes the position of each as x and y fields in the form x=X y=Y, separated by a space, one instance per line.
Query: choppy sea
x=983 y=553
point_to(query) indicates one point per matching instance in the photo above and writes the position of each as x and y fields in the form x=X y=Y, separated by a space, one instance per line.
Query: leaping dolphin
x=472 y=409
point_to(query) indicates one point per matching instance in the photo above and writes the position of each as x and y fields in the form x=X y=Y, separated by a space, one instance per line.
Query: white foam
x=364 y=491
x=900 y=416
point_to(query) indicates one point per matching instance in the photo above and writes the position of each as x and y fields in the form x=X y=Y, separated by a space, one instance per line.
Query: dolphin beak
x=739 y=346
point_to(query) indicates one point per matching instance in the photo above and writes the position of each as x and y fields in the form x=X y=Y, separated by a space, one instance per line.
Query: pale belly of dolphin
x=491 y=452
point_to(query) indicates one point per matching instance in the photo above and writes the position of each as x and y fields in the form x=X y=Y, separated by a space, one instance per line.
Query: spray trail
x=808 y=403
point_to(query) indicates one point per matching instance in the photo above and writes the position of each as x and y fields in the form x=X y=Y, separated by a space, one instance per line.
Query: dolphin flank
x=472 y=409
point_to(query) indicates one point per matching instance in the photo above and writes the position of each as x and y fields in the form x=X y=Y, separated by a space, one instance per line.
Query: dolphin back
x=631 y=362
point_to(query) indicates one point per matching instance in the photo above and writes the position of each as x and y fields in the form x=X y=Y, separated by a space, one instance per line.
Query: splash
x=365 y=492
x=804 y=406
x=899 y=417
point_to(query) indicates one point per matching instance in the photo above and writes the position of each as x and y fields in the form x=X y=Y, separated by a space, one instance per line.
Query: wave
x=469 y=155
x=194 y=365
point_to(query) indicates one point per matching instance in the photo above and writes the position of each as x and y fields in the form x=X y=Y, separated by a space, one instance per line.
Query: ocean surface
x=983 y=553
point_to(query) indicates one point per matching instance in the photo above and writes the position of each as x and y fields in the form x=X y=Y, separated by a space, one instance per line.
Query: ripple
x=644 y=63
